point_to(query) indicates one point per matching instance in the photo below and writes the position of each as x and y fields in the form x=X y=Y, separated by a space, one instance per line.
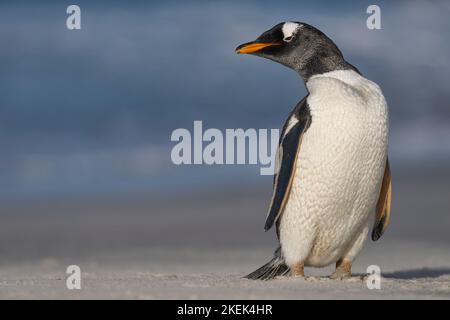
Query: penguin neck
x=320 y=64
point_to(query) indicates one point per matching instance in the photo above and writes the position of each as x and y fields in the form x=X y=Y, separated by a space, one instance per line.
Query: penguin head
x=298 y=46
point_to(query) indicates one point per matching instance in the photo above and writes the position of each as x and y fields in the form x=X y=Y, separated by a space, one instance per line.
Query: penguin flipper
x=383 y=210
x=287 y=153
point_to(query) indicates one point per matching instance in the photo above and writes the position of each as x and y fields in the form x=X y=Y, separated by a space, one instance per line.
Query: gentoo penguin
x=332 y=177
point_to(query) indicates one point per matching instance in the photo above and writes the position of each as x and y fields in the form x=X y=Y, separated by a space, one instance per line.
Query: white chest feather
x=339 y=169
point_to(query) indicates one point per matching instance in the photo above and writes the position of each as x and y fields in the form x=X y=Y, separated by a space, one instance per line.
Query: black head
x=298 y=46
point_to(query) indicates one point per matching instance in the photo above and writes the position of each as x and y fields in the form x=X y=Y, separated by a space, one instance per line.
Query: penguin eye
x=288 y=39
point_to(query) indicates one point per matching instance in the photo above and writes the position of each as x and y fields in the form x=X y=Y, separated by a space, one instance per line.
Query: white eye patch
x=289 y=30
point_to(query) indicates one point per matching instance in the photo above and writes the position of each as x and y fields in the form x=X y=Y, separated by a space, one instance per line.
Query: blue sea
x=91 y=111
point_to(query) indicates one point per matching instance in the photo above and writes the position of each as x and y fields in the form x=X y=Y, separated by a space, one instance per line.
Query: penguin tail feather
x=274 y=268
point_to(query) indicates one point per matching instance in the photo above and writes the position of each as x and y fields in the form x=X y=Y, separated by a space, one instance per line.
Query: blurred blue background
x=92 y=111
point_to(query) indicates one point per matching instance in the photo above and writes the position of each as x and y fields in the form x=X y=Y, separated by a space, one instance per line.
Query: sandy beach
x=92 y=115
x=200 y=247
x=420 y=273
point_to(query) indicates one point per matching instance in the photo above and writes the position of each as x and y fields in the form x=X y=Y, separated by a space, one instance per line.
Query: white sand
x=200 y=247
x=410 y=271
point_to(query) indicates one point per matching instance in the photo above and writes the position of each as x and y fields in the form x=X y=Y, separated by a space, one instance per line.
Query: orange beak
x=252 y=47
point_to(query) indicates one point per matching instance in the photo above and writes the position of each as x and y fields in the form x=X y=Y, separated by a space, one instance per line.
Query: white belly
x=339 y=169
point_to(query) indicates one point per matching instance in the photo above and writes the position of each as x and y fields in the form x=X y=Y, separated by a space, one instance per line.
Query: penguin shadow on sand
x=418 y=273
